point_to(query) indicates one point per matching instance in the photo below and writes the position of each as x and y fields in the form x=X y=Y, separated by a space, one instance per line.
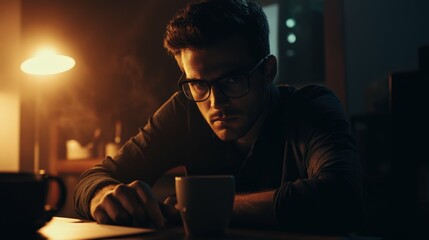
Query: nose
x=217 y=98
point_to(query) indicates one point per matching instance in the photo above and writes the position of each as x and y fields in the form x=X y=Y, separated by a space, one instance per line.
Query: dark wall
x=381 y=37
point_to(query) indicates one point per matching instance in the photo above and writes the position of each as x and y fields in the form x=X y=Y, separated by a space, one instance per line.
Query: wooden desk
x=177 y=233
x=69 y=228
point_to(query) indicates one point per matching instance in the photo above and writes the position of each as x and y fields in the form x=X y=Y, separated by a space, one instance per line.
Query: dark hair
x=205 y=22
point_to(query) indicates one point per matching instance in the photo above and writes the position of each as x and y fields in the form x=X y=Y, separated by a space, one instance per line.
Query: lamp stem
x=37 y=130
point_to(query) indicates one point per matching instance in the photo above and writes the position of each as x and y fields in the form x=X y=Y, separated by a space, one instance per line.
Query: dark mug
x=205 y=203
x=23 y=200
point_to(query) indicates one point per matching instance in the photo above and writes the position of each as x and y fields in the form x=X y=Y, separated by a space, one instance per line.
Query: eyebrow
x=234 y=72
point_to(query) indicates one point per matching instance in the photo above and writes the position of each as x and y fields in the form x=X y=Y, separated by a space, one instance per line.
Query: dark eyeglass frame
x=182 y=83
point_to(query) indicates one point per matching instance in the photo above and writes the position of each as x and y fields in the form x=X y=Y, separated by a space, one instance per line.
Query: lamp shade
x=47 y=63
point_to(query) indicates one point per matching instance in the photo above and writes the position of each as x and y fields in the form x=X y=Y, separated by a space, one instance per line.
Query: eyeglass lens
x=235 y=86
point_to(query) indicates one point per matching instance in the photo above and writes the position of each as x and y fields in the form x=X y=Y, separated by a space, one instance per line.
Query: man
x=291 y=150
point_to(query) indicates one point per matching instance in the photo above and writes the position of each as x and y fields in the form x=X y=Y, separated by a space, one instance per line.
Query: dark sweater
x=306 y=152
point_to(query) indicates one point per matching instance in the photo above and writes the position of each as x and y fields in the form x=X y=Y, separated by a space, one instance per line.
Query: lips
x=222 y=118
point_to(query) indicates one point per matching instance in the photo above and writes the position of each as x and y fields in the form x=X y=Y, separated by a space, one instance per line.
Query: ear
x=270 y=69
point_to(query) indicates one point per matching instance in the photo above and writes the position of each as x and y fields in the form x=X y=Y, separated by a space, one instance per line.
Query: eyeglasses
x=234 y=86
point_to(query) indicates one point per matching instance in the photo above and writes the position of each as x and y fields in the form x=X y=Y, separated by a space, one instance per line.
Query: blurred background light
x=290 y=22
x=291 y=38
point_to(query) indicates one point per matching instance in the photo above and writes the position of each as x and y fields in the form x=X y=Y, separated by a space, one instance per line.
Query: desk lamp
x=45 y=62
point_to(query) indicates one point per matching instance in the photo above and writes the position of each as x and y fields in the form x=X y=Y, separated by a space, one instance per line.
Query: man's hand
x=132 y=205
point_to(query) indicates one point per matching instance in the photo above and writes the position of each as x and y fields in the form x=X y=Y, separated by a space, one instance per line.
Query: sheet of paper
x=72 y=228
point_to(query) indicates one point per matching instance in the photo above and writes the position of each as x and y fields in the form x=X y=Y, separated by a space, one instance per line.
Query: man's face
x=229 y=118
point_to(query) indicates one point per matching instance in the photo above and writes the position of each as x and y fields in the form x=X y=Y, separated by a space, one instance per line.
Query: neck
x=245 y=143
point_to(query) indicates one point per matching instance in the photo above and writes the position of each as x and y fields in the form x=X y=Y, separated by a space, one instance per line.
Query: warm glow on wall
x=47 y=62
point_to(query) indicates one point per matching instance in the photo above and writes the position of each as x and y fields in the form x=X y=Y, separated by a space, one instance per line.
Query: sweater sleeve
x=327 y=194
x=157 y=148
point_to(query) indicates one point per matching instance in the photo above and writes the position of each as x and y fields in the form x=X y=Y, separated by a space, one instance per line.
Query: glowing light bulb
x=47 y=62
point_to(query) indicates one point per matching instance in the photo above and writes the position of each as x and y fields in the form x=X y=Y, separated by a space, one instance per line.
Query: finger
x=170 y=210
x=168 y=207
x=171 y=214
x=150 y=203
x=128 y=198
x=115 y=210
x=171 y=200
x=100 y=216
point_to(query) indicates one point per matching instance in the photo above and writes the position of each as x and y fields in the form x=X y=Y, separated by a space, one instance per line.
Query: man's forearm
x=254 y=209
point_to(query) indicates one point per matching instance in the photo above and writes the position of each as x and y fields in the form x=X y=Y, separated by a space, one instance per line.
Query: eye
x=234 y=79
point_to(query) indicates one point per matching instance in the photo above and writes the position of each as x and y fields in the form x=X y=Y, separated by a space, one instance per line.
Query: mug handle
x=52 y=210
